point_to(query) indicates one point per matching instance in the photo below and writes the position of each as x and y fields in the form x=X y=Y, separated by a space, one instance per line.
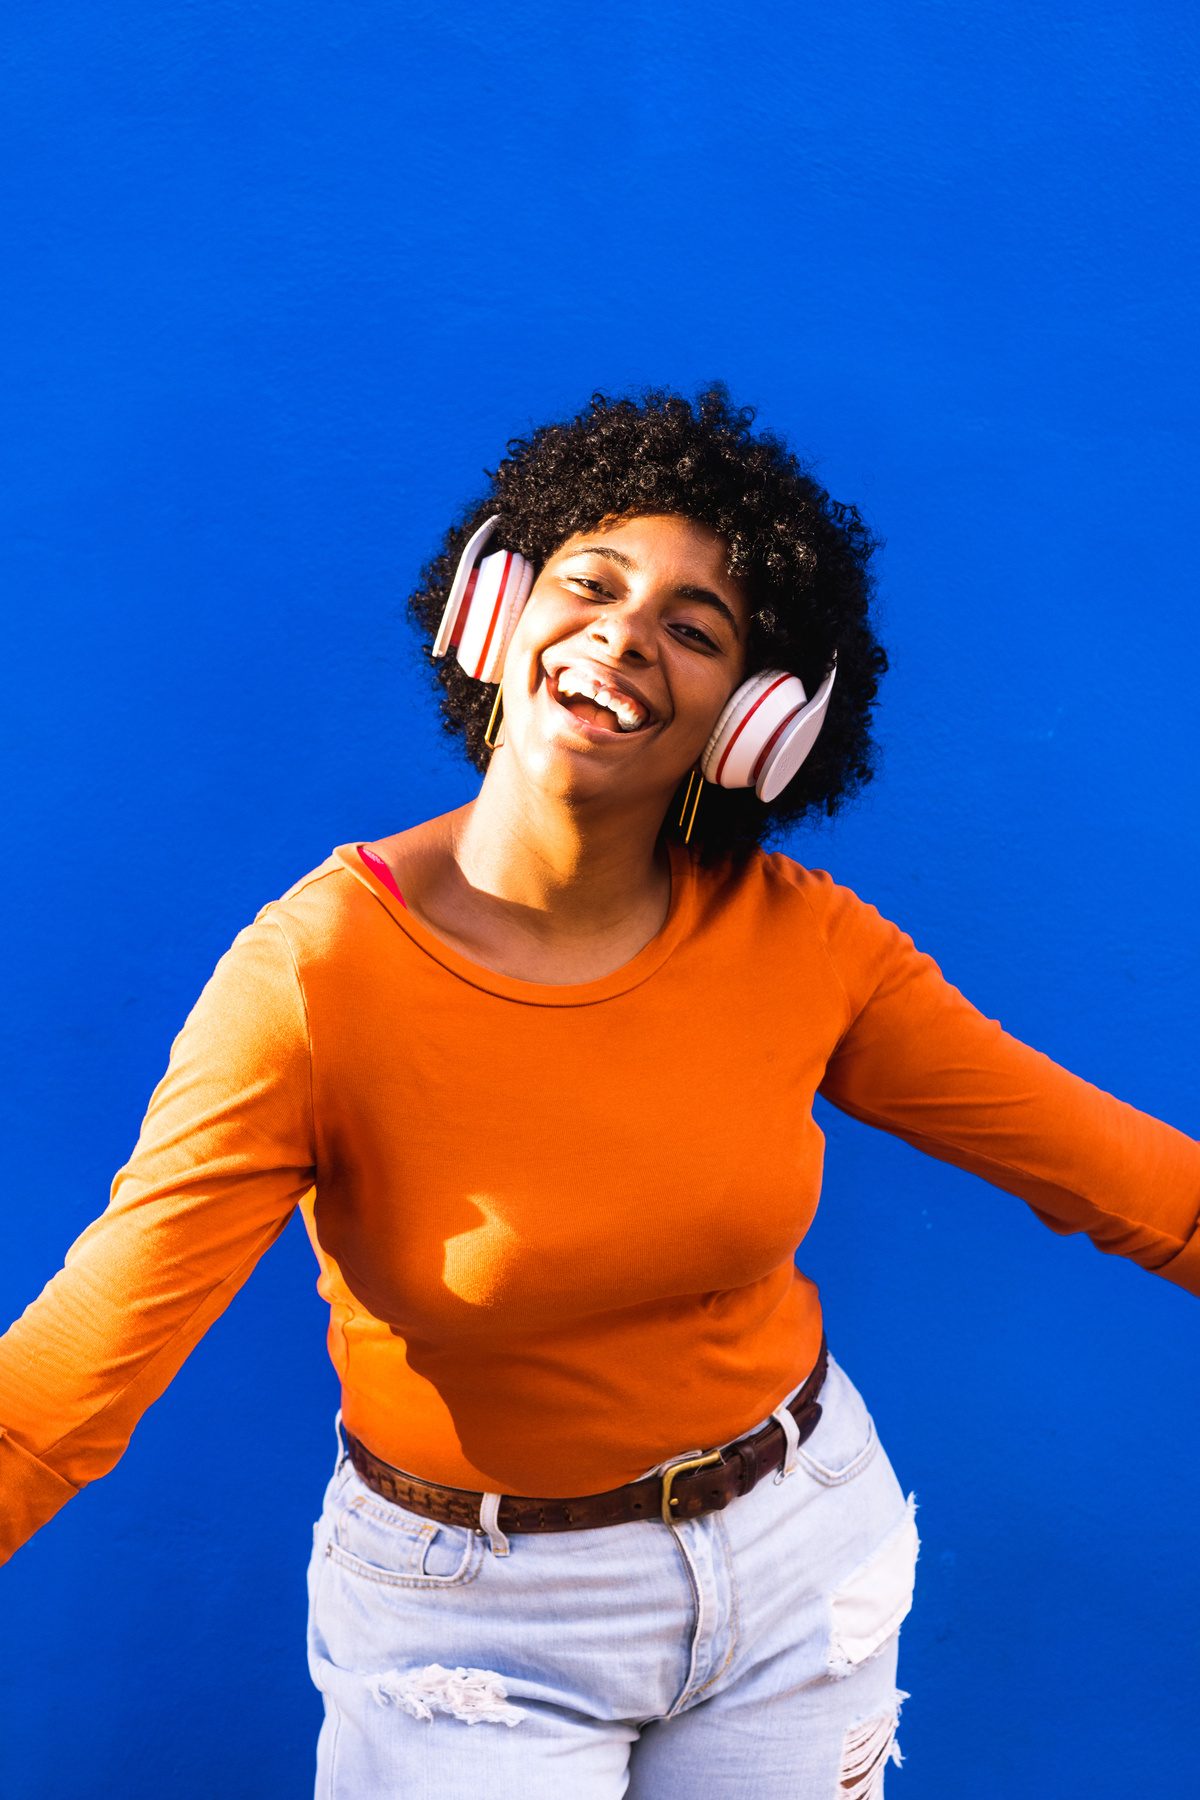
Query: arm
x=918 y=1060
x=225 y=1153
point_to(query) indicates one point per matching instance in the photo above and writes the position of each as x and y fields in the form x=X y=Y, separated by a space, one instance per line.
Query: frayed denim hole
x=867 y=1749
x=871 y=1604
x=476 y=1696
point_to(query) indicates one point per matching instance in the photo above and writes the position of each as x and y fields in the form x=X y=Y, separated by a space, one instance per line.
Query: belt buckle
x=681 y=1468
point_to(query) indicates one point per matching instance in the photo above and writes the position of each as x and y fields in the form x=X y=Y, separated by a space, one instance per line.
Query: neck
x=536 y=886
x=567 y=869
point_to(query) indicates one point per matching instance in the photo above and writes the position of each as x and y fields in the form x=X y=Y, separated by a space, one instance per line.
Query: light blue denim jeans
x=748 y=1655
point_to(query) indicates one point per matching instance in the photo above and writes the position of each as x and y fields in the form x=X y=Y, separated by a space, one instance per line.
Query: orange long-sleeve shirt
x=556 y=1225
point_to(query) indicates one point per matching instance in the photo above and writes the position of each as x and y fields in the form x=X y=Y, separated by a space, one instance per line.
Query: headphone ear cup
x=793 y=742
x=493 y=609
x=764 y=734
x=487 y=597
x=746 y=731
x=461 y=588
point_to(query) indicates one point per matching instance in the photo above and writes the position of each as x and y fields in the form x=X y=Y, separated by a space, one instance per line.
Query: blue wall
x=286 y=277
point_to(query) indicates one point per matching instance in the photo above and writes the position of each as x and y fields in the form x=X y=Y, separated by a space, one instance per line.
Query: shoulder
x=779 y=904
x=328 y=909
x=776 y=883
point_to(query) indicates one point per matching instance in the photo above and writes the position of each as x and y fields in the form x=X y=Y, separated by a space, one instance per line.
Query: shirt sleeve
x=919 y=1060
x=225 y=1153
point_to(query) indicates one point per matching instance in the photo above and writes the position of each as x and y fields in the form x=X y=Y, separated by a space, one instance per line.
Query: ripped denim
x=748 y=1655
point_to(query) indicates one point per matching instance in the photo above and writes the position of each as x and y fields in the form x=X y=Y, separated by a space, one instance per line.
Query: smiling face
x=632 y=641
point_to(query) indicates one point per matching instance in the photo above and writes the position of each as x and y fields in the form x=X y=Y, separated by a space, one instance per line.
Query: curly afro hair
x=803 y=557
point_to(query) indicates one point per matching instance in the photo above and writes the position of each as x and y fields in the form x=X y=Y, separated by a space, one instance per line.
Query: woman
x=606 y=1518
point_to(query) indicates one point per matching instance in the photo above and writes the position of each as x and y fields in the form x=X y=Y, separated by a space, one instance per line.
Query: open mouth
x=597 y=702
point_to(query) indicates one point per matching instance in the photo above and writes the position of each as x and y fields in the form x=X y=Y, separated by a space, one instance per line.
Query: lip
x=607 y=675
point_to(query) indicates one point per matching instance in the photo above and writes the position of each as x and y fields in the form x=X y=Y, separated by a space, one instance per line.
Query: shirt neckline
x=679 y=919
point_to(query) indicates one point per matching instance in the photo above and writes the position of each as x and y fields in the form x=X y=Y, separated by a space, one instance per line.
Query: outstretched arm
x=919 y=1060
x=224 y=1155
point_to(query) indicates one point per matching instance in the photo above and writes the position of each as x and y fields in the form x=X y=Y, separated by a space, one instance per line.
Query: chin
x=568 y=772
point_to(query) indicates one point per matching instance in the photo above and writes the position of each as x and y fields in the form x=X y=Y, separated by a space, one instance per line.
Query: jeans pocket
x=844 y=1442
x=386 y=1544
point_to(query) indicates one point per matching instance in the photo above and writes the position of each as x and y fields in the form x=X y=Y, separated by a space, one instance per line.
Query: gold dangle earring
x=697 y=779
x=494 y=743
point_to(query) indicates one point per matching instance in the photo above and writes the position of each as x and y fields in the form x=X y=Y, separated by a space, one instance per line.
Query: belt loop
x=343 y=1450
x=791 y=1432
x=489 y=1519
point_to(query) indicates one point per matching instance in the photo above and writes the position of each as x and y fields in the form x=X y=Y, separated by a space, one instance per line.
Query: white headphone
x=760 y=740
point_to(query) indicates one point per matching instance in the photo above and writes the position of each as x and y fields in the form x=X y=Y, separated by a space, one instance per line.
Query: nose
x=625 y=631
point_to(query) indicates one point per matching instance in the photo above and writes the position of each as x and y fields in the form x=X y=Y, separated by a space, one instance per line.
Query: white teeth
x=629 y=715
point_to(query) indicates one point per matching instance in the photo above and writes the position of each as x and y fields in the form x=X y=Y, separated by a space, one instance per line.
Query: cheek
x=702 y=704
x=545 y=623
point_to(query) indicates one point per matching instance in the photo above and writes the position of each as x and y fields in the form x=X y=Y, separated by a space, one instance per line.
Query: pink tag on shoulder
x=381 y=871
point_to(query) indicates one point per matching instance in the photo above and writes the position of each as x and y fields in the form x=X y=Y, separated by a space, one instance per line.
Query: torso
x=573 y=1204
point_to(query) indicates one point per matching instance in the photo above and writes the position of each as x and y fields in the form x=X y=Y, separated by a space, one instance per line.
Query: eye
x=595 y=589
x=694 y=635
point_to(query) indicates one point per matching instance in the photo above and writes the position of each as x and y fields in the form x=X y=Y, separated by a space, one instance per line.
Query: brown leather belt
x=686 y=1490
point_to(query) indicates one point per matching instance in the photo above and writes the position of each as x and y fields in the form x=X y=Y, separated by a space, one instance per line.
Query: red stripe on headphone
x=771 y=742
x=464 y=607
x=737 y=734
x=487 y=642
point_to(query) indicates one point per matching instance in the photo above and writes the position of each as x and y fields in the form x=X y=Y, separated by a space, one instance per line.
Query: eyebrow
x=704 y=596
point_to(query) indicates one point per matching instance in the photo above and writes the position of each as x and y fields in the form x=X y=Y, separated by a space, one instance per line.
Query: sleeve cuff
x=31 y=1494
x=1184 y=1267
